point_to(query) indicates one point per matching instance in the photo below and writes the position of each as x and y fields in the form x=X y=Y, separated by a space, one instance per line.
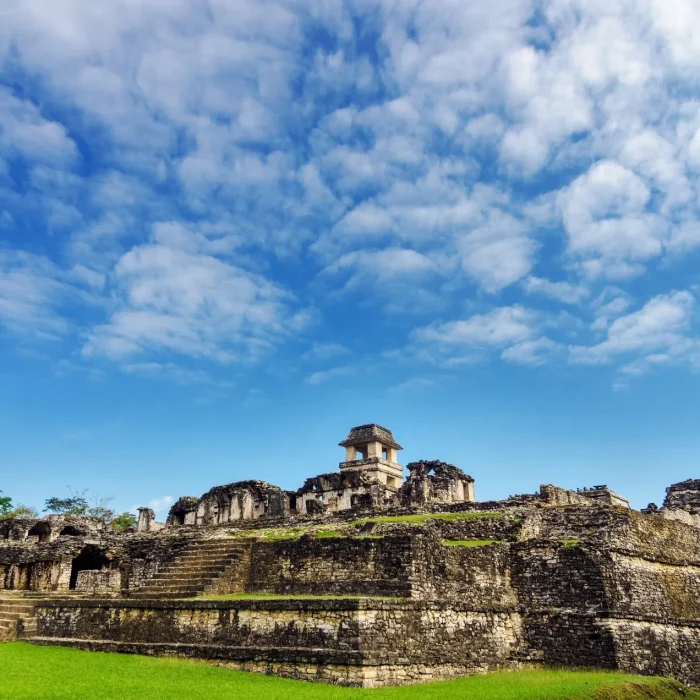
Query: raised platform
x=359 y=642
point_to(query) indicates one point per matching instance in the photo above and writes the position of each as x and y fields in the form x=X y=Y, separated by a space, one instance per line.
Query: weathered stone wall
x=98 y=583
x=649 y=647
x=142 y=556
x=43 y=567
x=555 y=575
x=478 y=577
x=684 y=495
x=367 y=566
x=366 y=643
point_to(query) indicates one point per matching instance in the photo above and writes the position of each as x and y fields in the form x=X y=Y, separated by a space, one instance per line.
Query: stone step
x=218 y=546
x=182 y=577
x=174 y=592
x=184 y=586
x=193 y=558
x=214 y=564
x=165 y=583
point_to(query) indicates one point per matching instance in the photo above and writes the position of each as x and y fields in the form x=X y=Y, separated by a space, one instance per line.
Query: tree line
x=78 y=503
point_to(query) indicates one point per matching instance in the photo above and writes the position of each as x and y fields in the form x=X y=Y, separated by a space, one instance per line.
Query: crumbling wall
x=341 y=491
x=684 y=496
x=436 y=482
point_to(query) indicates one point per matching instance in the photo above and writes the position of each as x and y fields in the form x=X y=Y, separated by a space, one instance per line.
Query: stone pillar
x=374 y=449
x=146 y=520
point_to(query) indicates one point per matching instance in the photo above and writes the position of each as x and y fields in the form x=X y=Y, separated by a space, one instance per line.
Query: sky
x=230 y=230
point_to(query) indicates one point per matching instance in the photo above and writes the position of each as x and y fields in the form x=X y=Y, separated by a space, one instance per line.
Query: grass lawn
x=54 y=673
x=429 y=516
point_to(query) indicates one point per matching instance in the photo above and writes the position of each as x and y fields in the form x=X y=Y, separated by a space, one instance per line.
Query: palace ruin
x=427 y=582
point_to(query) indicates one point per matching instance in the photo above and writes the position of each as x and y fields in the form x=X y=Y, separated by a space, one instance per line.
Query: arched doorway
x=89 y=559
x=42 y=530
x=71 y=531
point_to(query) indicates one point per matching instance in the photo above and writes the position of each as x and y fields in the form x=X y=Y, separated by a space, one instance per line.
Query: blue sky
x=231 y=230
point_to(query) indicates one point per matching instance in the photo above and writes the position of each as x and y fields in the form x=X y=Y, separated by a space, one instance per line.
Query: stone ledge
x=340 y=604
x=218 y=652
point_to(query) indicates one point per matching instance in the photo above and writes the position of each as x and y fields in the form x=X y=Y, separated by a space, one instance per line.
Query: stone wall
x=98 y=583
x=335 y=566
x=362 y=642
x=478 y=577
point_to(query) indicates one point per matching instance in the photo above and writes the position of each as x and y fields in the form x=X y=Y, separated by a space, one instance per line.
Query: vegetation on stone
x=468 y=543
x=55 y=673
x=281 y=596
x=421 y=518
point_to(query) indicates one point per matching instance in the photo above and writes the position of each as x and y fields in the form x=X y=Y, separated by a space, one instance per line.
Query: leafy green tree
x=78 y=504
x=22 y=511
x=75 y=505
x=5 y=506
x=124 y=522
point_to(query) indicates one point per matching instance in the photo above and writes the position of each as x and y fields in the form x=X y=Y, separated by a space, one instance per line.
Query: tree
x=78 y=504
x=75 y=505
x=124 y=522
x=5 y=506
x=22 y=511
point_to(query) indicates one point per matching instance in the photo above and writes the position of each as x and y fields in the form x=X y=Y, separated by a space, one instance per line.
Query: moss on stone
x=469 y=543
x=421 y=518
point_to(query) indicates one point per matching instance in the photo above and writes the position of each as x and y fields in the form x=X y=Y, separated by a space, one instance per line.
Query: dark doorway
x=89 y=559
x=43 y=530
x=71 y=531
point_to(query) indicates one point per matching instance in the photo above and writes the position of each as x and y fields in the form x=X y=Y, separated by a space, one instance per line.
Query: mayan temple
x=391 y=575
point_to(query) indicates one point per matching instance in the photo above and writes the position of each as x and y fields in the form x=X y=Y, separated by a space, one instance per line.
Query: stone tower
x=373 y=450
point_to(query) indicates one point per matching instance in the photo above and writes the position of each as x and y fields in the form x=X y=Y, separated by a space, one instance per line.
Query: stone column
x=146 y=519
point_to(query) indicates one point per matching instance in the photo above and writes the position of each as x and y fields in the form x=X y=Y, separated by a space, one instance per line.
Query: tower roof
x=370 y=432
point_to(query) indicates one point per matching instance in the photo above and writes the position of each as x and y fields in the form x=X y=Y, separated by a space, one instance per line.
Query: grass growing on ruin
x=468 y=543
x=55 y=673
x=285 y=596
x=421 y=518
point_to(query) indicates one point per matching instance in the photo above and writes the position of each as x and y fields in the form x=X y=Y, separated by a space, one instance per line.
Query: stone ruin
x=369 y=478
x=424 y=581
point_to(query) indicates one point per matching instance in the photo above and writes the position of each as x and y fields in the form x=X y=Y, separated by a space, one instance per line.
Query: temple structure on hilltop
x=368 y=576
x=369 y=478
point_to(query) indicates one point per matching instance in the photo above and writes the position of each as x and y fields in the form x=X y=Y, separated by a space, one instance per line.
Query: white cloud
x=159 y=505
x=532 y=352
x=322 y=376
x=565 y=292
x=169 y=371
x=33 y=294
x=502 y=326
x=25 y=133
x=193 y=304
x=662 y=324
x=194 y=173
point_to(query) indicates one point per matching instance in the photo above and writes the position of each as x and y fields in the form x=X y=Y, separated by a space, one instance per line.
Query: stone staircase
x=17 y=619
x=204 y=566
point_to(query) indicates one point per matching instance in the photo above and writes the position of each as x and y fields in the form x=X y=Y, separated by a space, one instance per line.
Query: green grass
x=329 y=533
x=54 y=673
x=284 y=596
x=468 y=543
x=430 y=516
